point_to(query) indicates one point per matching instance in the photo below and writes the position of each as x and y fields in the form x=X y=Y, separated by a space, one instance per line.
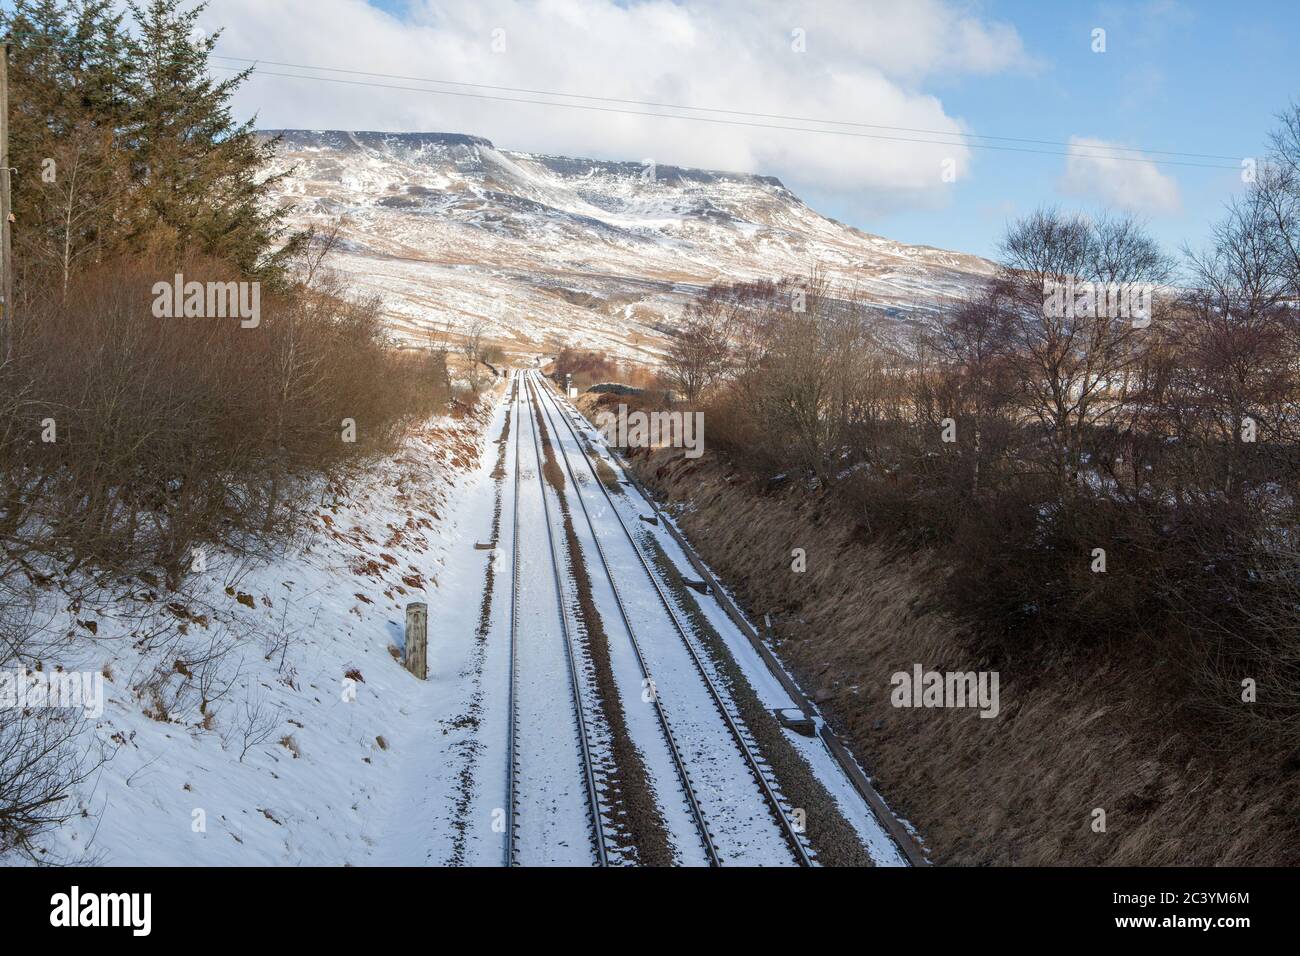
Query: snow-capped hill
x=474 y=155
x=549 y=249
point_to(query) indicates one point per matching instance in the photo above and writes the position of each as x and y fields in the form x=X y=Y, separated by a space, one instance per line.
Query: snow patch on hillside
x=450 y=230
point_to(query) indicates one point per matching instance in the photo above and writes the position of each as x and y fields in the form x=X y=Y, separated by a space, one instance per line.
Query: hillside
x=450 y=228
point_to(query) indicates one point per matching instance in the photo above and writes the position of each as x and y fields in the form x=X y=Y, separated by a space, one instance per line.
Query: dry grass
x=1099 y=730
x=608 y=477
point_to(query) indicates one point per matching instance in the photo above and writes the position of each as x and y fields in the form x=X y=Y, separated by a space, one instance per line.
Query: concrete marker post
x=416 y=656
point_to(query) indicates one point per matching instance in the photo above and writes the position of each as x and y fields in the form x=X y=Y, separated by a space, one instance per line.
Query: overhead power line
x=1100 y=151
x=1084 y=151
x=1075 y=150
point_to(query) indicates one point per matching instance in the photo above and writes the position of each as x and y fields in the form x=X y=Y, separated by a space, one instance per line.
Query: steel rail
x=706 y=837
x=512 y=730
x=598 y=825
x=774 y=802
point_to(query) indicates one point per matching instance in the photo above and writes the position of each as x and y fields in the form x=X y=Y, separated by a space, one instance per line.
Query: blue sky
x=1204 y=77
x=1189 y=76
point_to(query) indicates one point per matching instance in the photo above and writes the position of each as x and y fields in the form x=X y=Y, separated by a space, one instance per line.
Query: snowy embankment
x=263 y=715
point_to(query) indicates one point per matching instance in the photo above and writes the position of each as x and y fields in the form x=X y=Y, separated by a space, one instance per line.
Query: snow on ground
x=318 y=742
x=316 y=747
x=553 y=807
x=451 y=230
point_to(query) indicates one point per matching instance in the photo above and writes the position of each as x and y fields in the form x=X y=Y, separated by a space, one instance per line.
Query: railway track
x=512 y=733
x=683 y=775
x=739 y=734
x=595 y=814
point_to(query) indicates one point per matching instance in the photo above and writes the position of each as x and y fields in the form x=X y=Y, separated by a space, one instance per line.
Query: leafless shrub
x=258 y=724
x=472 y=347
x=212 y=673
x=1089 y=478
x=172 y=432
x=584 y=368
x=701 y=348
x=44 y=761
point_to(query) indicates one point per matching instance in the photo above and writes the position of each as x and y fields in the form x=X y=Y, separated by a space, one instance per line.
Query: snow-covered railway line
x=550 y=819
x=751 y=822
x=642 y=674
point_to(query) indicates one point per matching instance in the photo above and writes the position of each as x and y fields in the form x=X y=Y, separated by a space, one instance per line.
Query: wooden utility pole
x=6 y=246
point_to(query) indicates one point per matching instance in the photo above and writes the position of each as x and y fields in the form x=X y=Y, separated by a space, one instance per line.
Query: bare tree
x=1235 y=384
x=698 y=355
x=970 y=379
x=259 y=724
x=1276 y=193
x=1072 y=362
x=809 y=387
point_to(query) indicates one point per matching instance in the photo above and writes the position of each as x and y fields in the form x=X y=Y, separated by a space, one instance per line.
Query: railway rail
x=594 y=809
x=683 y=775
x=744 y=742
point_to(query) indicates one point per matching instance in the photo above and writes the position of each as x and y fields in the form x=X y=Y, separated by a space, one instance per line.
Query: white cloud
x=865 y=61
x=1095 y=170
